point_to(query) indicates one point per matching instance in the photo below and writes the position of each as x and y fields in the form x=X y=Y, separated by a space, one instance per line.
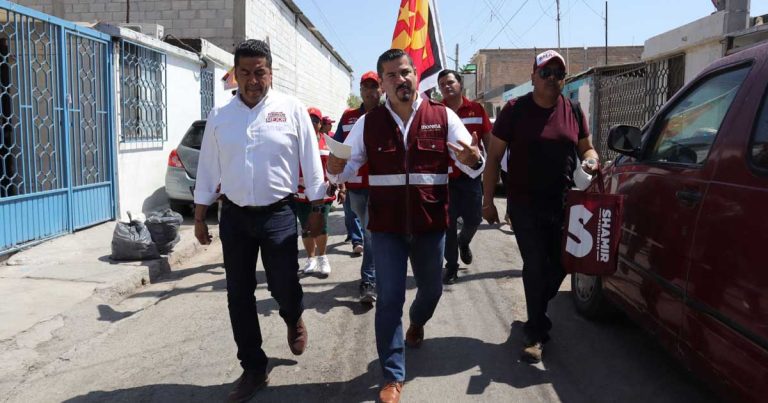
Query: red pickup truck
x=693 y=257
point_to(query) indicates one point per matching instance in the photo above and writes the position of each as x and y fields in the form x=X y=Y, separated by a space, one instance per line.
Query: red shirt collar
x=465 y=102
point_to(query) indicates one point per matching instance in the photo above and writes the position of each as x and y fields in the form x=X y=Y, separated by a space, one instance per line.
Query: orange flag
x=228 y=80
x=417 y=31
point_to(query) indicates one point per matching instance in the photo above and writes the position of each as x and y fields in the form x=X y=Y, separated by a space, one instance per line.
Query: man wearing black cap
x=543 y=132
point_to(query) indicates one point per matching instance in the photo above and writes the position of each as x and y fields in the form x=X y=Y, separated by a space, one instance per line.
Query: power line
x=330 y=27
x=514 y=42
x=538 y=19
x=593 y=10
x=507 y=23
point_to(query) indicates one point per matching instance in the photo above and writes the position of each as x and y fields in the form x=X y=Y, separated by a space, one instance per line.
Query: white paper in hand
x=339 y=150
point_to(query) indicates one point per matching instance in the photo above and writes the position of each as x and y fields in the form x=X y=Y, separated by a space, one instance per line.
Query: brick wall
x=497 y=67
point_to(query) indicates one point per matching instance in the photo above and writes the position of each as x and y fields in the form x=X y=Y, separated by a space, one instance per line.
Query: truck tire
x=588 y=297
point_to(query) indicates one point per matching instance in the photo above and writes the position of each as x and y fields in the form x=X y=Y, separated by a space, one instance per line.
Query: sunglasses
x=315 y=119
x=545 y=72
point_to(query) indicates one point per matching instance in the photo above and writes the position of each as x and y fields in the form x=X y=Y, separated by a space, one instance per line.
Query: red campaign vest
x=348 y=119
x=408 y=189
x=474 y=117
x=324 y=152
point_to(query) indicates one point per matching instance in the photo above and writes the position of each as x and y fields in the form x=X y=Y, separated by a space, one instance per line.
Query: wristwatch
x=318 y=208
x=478 y=164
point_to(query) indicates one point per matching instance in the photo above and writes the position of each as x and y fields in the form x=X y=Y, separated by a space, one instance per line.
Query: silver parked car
x=182 y=169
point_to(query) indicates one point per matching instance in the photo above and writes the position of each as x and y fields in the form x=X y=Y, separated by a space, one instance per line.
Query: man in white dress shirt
x=253 y=147
x=406 y=144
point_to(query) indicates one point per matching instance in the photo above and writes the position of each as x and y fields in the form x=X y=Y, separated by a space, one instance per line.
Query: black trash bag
x=132 y=241
x=164 y=227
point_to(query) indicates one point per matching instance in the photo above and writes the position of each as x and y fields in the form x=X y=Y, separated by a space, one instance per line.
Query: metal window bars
x=31 y=149
x=633 y=95
x=206 y=92
x=143 y=96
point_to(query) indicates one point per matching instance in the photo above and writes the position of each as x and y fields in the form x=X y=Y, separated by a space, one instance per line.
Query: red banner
x=592 y=230
x=417 y=32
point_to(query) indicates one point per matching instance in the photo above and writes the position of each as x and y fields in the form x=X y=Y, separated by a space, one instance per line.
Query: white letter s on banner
x=579 y=217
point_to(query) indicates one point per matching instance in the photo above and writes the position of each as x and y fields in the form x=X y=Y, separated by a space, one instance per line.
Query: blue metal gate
x=57 y=143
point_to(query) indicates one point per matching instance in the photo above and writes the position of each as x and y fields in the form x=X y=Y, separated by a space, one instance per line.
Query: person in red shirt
x=326 y=125
x=543 y=134
x=356 y=188
x=317 y=263
x=465 y=193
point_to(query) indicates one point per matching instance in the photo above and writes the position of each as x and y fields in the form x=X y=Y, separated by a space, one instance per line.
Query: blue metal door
x=89 y=130
x=56 y=141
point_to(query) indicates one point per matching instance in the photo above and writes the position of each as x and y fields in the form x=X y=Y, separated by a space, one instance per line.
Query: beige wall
x=497 y=67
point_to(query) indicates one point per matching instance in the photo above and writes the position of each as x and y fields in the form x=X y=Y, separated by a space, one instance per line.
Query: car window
x=686 y=132
x=759 y=144
x=194 y=137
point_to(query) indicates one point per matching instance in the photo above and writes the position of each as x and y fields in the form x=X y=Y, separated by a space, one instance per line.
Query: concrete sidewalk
x=49 y=279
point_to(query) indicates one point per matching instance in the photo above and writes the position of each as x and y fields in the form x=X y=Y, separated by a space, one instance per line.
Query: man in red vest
x=357 y=186
x=466 y=193
x=407 y=143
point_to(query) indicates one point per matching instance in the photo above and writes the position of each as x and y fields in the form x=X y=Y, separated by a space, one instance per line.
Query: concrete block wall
x=210 y=19
x=302 y=66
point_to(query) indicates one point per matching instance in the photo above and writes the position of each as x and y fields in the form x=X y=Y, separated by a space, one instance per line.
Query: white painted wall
x=141 y=166
x=700 y=40
x=585 y=99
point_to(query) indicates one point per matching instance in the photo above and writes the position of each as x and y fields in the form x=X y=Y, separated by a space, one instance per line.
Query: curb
x=146 y=272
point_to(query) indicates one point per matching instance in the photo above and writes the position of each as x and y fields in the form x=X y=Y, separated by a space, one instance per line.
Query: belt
x=261 y=209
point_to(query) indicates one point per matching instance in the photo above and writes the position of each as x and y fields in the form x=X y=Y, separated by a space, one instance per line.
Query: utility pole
x=558 y=24
x=456 y=60
x=606 y=32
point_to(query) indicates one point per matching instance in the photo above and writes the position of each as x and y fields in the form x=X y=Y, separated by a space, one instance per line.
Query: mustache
x=404 y=86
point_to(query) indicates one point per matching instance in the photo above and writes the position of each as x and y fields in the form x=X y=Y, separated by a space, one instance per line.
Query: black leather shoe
x=465 y=253
x=247 y=385
x=450 y=276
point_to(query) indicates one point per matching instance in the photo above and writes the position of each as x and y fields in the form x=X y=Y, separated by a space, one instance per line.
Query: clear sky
x=360 y=30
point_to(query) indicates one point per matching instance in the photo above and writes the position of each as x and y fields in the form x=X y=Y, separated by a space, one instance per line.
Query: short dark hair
x=253 y=48
x=449 y=71
x=388 y=56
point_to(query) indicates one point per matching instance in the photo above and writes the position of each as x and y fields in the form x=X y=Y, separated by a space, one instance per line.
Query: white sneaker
x=310 y=266
x=324 y=266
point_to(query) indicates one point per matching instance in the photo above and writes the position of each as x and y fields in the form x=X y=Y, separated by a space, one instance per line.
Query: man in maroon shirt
x=543 y=133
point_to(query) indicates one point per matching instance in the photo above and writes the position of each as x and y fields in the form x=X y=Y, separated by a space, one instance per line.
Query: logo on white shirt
x=276 y=117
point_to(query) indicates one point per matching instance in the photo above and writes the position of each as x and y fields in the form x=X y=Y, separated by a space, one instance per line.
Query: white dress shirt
x=456 y=131
x=255 y=153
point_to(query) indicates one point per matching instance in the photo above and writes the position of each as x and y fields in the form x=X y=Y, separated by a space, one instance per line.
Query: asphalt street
x=172 y=342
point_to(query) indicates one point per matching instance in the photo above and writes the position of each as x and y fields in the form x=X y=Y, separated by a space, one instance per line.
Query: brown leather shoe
x=390 y=393
x=297 y=337
x=247 y=385
x=532 y=352
x=414 y=336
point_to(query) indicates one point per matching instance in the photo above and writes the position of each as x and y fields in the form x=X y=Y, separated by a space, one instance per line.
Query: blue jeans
x=243 y=233
x=354 y=232
x=391 y=259
x=358 y=201
x=466 y=201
